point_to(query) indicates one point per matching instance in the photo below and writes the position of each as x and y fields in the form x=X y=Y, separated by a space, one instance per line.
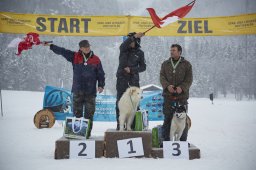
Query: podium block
x=107 y=146
x=62 y=147
x=112 y=136
x=194 y=152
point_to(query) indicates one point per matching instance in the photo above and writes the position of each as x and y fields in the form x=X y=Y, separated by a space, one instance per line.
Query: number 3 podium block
x=194 y=152
x=112 y=136
x=62 y=147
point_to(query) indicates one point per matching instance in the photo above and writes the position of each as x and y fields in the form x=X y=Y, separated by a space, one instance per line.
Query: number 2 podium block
x=112 y=136
x=62 y=147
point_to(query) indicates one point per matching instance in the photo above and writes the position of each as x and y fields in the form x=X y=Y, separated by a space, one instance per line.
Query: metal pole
x=2 y=113
x=149 y=29
x=247 y=66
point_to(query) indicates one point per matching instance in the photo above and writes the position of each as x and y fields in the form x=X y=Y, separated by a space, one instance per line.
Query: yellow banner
x=122 y=25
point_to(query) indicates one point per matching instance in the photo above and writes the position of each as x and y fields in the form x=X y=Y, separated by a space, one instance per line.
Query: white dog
x=178 y=123
x=128 y=106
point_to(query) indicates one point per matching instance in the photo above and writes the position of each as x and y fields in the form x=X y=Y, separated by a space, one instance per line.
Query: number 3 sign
x=82 y=149
x=130 y=147
x=175 y=150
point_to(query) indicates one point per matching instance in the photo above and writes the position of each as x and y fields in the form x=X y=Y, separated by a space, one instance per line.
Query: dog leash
x=133 y=105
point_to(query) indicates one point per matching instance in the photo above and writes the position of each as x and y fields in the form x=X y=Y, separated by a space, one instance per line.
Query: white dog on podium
x=178 y=123
x=128 y=106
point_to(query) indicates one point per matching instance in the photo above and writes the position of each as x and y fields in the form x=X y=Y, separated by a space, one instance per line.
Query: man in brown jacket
x=176 y=78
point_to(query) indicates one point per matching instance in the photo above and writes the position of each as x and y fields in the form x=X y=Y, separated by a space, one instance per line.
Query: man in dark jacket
x=87 y=71
x=176 y=78
x=131 y=63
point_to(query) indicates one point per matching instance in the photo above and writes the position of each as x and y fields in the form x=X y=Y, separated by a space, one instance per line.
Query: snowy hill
x=223 y=131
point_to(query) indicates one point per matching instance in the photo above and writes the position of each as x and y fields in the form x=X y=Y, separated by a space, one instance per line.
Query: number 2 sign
x=82 y=149
x=130 y=147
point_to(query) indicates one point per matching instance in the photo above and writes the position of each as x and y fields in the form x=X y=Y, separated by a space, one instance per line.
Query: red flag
x=171 y=17
x=27 y=43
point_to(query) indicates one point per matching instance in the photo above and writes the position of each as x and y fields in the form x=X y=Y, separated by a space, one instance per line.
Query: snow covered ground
x=224 y=131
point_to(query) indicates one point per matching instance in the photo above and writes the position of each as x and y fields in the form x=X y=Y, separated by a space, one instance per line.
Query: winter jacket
x=132 y=58
x=182 y=77
x=85 y=73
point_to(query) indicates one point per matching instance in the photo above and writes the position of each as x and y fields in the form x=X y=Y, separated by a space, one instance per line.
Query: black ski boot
x=118 y=126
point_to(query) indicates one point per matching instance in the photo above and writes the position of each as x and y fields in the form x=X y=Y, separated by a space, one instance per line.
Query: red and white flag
x=25 y=44
x=171 y=17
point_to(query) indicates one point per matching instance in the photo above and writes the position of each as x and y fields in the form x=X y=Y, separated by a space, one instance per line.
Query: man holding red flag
x=87 y=73
x=131 y=63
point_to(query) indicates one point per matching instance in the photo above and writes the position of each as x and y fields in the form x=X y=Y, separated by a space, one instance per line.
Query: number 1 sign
x=130 y=147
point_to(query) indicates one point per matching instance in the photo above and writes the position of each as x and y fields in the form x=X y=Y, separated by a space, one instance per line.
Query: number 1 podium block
x=112 y=136
x=62 y=147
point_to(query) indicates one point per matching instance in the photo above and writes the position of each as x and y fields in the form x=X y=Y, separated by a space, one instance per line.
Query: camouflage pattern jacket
x=182 y=77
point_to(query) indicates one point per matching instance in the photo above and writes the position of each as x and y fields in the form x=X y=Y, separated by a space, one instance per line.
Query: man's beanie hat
x=137 y=40
x=84 y=43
